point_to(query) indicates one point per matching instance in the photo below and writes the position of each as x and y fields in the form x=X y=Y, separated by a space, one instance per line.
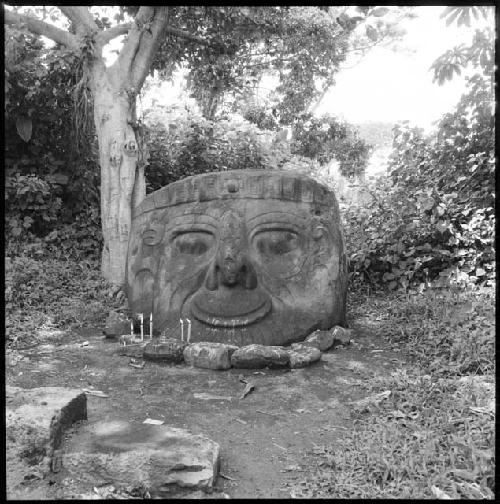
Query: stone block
x=36 y=420
x=209 y=355
x=259 y=356
x=165 y=350
x=342 y=336
x=159 y=458
x=322 y=340
x=303 y=355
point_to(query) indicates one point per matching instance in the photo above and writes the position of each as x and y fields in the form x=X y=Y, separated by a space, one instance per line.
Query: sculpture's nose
x=231 y=268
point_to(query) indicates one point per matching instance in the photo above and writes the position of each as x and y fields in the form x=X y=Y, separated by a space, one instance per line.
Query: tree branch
x=81 y=17
x=150 y=41
x=129 y=49
x=169 y=30
x=42 y=28
x=105 y=36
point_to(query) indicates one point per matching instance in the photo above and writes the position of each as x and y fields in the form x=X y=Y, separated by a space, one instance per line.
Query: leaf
x=439 y=494
x=381 y=11
x=24 y=127
x=453 y=16
x=371 y=33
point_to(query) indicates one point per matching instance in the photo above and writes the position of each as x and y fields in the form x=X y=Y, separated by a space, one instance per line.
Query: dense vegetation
x=427 y=235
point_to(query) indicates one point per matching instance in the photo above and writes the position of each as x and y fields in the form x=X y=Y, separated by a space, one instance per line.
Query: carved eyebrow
x=277 y=218
x=192 y=221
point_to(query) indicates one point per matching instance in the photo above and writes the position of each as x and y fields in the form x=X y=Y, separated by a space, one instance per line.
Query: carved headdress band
x=239 y=184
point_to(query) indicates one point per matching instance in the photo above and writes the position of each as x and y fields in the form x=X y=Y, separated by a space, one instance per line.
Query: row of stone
x=211 y=355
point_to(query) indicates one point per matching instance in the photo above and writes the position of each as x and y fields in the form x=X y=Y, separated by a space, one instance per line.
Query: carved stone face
x=249 y=256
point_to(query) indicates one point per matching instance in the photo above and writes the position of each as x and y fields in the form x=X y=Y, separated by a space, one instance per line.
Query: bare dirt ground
x=268 y=439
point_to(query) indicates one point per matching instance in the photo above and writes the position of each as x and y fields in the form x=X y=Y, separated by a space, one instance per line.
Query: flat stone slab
x=259 y=356
x=159 y=458
x=209 y=355
x=36 y=420
x=165 y=350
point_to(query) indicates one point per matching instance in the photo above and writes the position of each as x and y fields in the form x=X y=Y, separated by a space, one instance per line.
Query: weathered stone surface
x=259 y=356
x=160 y=458
x=303 y=355
x=209 y=355
x=322 y=340
x=248 y=256
x=36 y=420
x=165 y=349
x=116 y=324
x=341 y=336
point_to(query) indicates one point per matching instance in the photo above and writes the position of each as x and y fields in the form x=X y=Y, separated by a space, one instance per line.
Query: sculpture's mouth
x=230 y=307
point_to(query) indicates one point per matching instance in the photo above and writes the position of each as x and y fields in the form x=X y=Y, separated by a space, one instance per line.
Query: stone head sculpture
x=249 y=256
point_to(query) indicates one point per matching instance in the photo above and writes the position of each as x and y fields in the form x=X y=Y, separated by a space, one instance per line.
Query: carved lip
x=230 y=307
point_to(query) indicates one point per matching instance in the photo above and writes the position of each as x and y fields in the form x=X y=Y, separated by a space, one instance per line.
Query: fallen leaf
x=248 y=389
x=438 y=493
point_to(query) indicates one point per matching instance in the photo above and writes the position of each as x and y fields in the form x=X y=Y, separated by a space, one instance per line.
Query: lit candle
x=189 y=330
x=151 y=326
x=142 y=326
x=182 y=329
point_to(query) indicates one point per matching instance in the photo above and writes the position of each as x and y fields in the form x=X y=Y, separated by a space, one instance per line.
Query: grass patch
x=434 y=435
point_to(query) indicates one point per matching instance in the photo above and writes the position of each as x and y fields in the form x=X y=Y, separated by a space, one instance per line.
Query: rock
x=116 y=324
x=165 y=350
x=322 y=340
x=303 y=355
x=159 y=458
x=342 y=336
x=36 y=420
x=209 y=355
x=259 y=356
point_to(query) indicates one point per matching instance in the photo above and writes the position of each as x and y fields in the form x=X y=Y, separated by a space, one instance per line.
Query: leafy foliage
x=43 y=293
x=434 y=215
x=183 y=143
x=435 y=432
x=327 y=138
x=51 y=178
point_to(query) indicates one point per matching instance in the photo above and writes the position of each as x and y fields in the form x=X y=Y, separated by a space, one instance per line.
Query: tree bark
x=114 y=111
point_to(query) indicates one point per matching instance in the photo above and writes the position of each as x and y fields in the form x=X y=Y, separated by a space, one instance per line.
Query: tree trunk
x=122 y=184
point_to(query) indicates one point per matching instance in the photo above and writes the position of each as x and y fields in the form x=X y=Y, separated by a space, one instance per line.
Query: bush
x=182 y=143
x=52 y=293
x=52 y=177
x=432 y=218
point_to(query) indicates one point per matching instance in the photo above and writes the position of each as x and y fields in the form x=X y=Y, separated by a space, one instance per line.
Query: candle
x=182 y=329
x=151 y=326
x=189 y=330
x=142 y=326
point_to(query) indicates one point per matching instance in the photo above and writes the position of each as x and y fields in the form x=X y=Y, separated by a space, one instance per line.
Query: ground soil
x=268 y=439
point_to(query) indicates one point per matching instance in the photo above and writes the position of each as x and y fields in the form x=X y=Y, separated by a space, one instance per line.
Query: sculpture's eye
x=193 y=242
x=276 y=241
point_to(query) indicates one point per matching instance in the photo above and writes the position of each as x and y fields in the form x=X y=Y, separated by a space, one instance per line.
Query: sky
x=391 y=86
